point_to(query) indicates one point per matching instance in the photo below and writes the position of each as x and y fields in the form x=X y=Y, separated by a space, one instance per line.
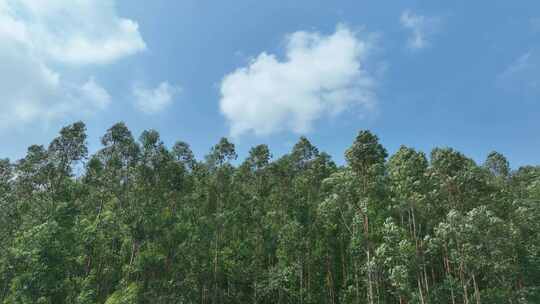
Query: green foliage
x=144 y=223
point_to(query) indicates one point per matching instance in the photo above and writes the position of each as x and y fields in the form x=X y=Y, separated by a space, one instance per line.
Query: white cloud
x=74 y=31
x=320 y=75
x=30 y=91
x=522 y=75
x=421 y=28
x=41 y=40
x=151 y=101
x=95 y=94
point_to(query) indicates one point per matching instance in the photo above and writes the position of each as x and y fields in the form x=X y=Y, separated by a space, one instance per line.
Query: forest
x=140 y=222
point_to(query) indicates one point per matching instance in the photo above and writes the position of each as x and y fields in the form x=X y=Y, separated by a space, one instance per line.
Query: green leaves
x=221 y=153
x=150 y=223
x=69 y=147
x=365 y=153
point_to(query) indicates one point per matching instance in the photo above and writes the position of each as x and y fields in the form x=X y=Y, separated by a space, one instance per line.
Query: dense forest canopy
x=146 y=223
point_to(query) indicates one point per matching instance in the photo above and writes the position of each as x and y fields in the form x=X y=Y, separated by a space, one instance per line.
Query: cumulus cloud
x=31 y=91
x=320 y=75
x=522 y=75
x=41 y=40
x=74 y=32
x=421 y=28
x=151 y=101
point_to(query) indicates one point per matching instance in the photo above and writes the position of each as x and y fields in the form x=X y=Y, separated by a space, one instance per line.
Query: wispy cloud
x=154 y=100
x=421 y=28
x=522 y=75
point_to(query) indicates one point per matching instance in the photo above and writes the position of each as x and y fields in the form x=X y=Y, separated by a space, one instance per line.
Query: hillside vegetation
x=146 y=223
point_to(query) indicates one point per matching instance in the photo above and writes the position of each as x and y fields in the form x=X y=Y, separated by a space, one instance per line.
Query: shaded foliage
x=144 y=223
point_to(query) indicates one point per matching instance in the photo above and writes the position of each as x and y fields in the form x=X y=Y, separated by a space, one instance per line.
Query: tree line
x=147 y=223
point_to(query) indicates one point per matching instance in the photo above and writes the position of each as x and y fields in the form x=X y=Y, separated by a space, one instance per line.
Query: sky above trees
x=424 y=74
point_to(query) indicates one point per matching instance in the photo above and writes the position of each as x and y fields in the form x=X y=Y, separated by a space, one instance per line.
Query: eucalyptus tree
x=409 y=187
x=480 y=255
x=9 y=220
x=43 y=253
x=182 y=153
x=397 y=255
x=68 y=148
x=335 y=214
x=141 y=222
x=366 y=158
x=525 y=183
x=461 y=184
x=525 y=216
x=8 y=211
x=219 y=194
x=498 y=165
x=34 y=175
x=119 y=156
x=254 y=238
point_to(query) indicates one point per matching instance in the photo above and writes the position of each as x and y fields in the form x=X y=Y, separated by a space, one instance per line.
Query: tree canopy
x=147 y=223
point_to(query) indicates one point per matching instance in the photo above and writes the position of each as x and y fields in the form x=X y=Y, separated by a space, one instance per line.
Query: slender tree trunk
x=368 y=268
x=345 y=274
x=301 y=282
x=464 y=284
x=254 y=292
x=420 y=290
x=356 y=279
x=133 y=250
x=476 y=291
x=215 y=293
x=330 y=280
x=426 y=278
x=448 y=272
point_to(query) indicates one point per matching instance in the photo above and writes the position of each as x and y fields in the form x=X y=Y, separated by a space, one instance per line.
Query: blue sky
x=462 y=74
